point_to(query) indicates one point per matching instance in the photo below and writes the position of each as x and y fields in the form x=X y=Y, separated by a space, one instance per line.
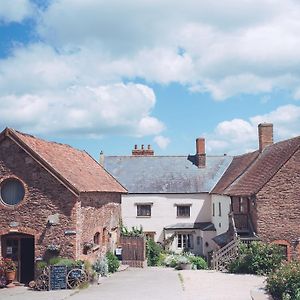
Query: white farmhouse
x=169 y=196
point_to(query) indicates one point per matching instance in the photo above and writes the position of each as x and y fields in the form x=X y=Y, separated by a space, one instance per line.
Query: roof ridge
x=282 y=150
x=282 y=164
x=43 y=140
x=43 y=162
x=104 y=169
x=243 y=171
x=152 y=156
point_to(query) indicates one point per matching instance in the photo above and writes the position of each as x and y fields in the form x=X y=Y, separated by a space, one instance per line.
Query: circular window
x=12 y=191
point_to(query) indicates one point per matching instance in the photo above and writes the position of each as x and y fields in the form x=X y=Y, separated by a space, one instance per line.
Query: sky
x=106 y=75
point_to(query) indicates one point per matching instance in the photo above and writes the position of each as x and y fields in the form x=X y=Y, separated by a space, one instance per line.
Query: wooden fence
x=133 y=251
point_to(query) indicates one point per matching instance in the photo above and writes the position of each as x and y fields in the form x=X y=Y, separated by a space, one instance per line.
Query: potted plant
x=183 y=263
x=9 y=269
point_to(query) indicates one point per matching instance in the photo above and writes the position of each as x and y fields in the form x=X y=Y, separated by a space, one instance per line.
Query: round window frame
x=12 y=178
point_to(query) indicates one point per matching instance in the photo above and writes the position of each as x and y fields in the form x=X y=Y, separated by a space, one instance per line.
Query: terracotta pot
x=10 y=275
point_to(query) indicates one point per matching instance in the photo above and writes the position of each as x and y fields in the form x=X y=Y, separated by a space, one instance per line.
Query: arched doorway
x=20 y=248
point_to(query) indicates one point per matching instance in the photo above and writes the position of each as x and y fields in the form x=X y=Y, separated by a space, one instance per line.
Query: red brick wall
x=278 y=206
x=44 y=196
x=100 y=212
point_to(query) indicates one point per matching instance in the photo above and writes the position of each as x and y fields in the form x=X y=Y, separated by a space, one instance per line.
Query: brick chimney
x=265 y=135
x=101 y=159
x=200 y=153
x=142 y=151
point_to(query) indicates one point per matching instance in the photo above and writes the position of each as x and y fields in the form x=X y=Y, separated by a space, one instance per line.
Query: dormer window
x=12 y=191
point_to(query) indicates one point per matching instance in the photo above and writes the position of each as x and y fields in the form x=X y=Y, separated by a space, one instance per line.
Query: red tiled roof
x=237 y=167
x=261 y=170
x=77 y=168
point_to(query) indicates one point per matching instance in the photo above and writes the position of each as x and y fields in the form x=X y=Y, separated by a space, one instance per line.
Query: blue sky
x=105 y=75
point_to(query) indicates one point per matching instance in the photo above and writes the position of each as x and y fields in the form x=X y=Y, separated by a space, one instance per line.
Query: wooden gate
x=133 y=251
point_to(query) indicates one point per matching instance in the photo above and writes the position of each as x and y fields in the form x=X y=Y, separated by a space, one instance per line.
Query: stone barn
x=54 y=199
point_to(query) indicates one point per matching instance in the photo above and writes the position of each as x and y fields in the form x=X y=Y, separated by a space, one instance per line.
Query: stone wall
x=278 y=207
x=100 y=214
x=44 y=196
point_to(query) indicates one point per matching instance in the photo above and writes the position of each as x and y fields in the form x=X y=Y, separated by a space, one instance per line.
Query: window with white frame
x=185 y=241
x=143 y=210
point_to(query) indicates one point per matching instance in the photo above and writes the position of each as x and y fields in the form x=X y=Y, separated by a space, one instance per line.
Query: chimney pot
x=265 y=135
x=142 y=151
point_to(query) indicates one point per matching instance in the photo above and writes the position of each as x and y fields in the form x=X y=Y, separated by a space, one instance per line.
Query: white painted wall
x=221 y=222
x=164 y=213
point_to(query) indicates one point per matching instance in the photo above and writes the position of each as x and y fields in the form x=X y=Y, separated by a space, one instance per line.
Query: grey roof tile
x=166 y=174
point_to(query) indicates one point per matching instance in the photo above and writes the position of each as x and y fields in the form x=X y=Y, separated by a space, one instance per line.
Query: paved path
x=154 y=284
x=212 y=285
x=134 y=284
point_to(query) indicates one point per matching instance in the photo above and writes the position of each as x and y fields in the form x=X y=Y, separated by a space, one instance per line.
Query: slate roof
x=246 y=176
x=76 y=168
x=166 y=174
x=204 y=226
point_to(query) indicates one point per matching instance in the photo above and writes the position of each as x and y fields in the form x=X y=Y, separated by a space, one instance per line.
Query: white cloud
x=239 y=136
x=116 y=108
x=237 y=47
x=162 y=141
x=15 y=11
x=234 y=48
x=286 y=120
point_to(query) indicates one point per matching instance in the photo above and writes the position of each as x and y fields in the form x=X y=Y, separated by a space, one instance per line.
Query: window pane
x=179 y=241
x=12 y=191
x=143 y=210
x=183 y=211
x=190 y=241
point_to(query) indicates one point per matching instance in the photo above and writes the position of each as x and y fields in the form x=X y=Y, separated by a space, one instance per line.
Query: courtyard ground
x=155 y=284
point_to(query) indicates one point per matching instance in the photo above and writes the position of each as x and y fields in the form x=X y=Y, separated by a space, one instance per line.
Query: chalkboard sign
x=58 y=278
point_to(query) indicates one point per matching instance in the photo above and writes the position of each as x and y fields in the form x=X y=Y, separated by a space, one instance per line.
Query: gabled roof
x=166 y=174
x=257 y=169
x=237 y=167
x=74 y=168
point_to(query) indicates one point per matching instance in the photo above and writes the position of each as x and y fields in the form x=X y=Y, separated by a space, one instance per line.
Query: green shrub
x=54 y=260
x=66 y=262
x=161 y=259
x=171 y=260
x=41 y=265
x=284 y=283
x=113 y=262
x=101 y=266
x=137 y=232
x=257 y=258
x=62 y=261
x=153 y=251
x=199 y=262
